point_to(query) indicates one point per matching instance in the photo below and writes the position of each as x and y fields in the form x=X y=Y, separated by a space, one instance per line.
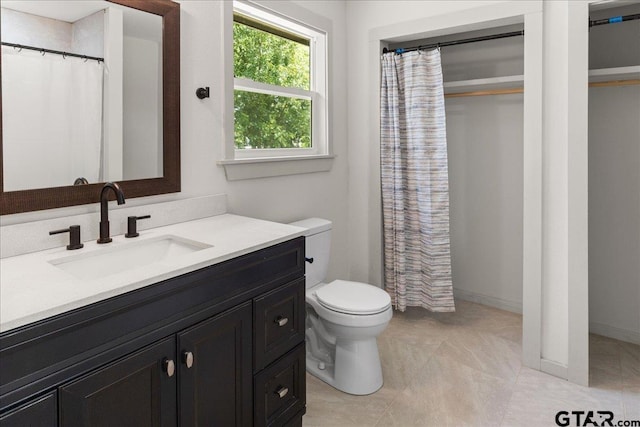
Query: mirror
x=90 y=93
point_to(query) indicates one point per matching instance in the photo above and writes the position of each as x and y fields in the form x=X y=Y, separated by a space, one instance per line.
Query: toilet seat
x=353 y=298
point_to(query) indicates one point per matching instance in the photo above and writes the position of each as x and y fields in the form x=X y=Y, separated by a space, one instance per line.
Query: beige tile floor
x=464 y=368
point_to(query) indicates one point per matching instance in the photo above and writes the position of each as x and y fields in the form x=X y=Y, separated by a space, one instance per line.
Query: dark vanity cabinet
x=221 y=346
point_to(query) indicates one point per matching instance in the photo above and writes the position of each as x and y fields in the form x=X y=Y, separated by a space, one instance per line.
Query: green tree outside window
x=270 y=121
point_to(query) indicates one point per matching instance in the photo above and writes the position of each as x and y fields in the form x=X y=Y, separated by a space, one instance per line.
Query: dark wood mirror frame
x=56 y=197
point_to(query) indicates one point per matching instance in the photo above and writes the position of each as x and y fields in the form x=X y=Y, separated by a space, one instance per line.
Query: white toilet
x=343 y=320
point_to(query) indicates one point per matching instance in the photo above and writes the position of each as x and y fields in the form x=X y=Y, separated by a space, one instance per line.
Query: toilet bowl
x=343 y=320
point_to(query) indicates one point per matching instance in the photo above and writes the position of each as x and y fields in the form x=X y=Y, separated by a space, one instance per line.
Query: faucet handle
x=74 y=237
x=132 y=225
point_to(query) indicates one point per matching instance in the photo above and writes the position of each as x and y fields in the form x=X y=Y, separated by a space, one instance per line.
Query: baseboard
x=615 y=333
x=554 y=368
x=502 y=304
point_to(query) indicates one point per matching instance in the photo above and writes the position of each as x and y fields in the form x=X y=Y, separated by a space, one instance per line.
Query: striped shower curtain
x=415 y=186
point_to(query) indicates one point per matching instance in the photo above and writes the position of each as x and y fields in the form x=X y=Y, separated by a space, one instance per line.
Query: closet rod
x=57 y=52
x=456 y=42
x=613 y=20
x=592 y=23
x=630 y=82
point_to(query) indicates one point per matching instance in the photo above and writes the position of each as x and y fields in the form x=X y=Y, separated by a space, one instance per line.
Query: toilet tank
x=317 y=244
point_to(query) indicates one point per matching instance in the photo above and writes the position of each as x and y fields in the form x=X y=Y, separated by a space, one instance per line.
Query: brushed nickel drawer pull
x=187 y=358
x=169 y=367
x=282 y=392
x=281 y=321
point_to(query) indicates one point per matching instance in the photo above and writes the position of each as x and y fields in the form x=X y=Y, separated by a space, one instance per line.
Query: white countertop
x=32 y=289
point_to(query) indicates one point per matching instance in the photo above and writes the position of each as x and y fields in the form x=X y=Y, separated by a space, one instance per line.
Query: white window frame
x=246 y=163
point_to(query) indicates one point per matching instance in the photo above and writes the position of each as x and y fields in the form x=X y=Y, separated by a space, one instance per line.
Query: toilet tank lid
x=313 y=225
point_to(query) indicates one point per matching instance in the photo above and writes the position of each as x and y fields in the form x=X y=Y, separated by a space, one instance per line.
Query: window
x=279 y=100
x=272 y=100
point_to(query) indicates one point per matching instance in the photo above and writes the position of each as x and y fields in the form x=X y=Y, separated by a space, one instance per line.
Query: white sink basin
x=113 y=260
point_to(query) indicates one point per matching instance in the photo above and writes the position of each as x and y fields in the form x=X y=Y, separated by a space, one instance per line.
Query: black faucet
x=104 y=212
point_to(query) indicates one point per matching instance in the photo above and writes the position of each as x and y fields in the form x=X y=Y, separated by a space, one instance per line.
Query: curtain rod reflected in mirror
x=164 y=166
x=57 y=52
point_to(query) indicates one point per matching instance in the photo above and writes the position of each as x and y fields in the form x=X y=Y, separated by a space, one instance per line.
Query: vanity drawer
x=278 y=321
x=280 y=390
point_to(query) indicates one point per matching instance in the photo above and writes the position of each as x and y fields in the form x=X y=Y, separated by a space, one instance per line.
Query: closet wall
x=485 y=148
x=614 y=181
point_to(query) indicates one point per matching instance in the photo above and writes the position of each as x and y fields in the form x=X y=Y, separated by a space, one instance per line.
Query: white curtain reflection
x=52 y=119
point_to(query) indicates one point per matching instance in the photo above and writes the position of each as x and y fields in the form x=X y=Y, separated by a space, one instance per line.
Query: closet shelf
x=613 y=74
x=509 y=82
x=619 y=76
x=491 y=83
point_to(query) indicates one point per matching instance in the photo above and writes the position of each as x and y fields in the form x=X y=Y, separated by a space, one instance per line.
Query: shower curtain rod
x=57 y=52
x=592 y=23
x=456 y=42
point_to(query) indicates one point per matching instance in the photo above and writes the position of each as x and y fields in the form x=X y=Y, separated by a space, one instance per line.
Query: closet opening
x=484 y=103
x=614 y=199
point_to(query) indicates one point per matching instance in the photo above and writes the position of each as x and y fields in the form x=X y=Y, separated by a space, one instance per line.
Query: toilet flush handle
x=309 y=260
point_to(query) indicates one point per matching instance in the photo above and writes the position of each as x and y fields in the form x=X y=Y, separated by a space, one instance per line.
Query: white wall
x=564 y=348
x=485 y=146
x=282 y=199
x=614 y=212
x=88 y=35
x=113 y=94
x=555 y=184
x=142 y=118
x=484 y=136
x=85 y=36
x=32 y=30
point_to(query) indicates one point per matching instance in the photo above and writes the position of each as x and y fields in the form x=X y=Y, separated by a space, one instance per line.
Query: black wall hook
x=202 y=92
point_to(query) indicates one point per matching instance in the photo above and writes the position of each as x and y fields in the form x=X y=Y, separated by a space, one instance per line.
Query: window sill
x=239 y=169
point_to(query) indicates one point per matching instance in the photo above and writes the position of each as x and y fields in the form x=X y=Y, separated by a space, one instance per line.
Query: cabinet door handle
x=169 y=367
x=281 y=321
x=187 y=358
x=282 y=391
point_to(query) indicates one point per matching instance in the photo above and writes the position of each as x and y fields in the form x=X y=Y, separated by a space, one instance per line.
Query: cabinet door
x=215 y=370
x=138 y=390
x=39 y=412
